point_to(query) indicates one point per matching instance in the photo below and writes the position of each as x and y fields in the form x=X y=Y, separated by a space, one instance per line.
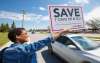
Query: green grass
x=3 y=38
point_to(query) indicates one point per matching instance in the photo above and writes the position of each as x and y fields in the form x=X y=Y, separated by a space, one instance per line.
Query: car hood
x=95 y=52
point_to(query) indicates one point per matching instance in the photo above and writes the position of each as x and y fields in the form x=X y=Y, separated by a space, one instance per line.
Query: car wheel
x=50 y=50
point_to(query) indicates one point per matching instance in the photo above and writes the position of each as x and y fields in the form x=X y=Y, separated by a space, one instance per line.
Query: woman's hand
x=60 y=33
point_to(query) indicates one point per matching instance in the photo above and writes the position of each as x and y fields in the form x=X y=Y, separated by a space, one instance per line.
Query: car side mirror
x=73 y=47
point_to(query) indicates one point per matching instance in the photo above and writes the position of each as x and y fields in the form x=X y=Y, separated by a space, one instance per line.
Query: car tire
x=50 y=50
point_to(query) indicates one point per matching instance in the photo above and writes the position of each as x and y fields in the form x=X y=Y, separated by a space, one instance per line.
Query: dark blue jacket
x=24 y=53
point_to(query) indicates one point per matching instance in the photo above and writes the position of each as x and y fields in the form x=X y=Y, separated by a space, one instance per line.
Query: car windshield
x=85 y=43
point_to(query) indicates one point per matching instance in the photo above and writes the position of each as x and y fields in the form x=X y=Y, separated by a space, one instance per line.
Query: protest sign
x=66 y=17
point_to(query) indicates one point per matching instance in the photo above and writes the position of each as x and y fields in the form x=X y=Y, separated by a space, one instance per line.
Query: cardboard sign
x=66 y=17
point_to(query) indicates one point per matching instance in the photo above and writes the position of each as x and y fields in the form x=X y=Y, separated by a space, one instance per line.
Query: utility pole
x=23 y=15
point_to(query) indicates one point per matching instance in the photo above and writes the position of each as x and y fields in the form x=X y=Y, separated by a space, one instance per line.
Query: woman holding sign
x=20 y=52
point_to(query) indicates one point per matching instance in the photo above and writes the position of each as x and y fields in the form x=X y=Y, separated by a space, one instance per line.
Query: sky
x=36 y=11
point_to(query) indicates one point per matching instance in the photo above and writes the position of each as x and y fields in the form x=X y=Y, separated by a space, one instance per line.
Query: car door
x=66 y=49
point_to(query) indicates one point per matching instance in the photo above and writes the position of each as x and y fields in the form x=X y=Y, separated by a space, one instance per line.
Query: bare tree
x=94 y=24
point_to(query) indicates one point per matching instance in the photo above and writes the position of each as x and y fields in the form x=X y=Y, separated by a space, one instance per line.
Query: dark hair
x=13 y=32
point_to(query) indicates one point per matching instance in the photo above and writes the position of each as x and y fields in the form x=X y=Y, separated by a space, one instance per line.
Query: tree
x=7 y=27
x=2 y=27
x=30 y=30
x=13 y=25
x=94 y=24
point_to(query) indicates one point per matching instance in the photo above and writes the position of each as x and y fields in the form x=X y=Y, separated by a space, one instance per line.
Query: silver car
x=75 y=48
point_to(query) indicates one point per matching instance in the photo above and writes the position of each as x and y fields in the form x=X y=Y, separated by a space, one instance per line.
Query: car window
x=67 y=42
x=62 y=39
x=85 y=43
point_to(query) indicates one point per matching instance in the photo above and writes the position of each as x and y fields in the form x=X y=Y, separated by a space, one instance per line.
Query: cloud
x=82 y=1
x=12 y=16
x=45 y=18
x=42 y=8
x=93 y=14
x=19 y=17
x=65 y=4
x=70 y=2
x=39 y=20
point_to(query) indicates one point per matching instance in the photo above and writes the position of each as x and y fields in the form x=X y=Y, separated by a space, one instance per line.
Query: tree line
x=6 y=27
x=94 y=25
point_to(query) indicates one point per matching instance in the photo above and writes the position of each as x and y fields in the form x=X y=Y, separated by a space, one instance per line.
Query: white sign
x=66 y=17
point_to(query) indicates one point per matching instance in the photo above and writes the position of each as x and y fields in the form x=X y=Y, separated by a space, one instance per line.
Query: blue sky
x=36 y=11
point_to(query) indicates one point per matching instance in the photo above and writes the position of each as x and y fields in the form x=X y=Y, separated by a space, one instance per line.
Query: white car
x=75 y=48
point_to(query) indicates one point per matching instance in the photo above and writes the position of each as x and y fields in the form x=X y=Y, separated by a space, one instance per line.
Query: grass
x=3 y=38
